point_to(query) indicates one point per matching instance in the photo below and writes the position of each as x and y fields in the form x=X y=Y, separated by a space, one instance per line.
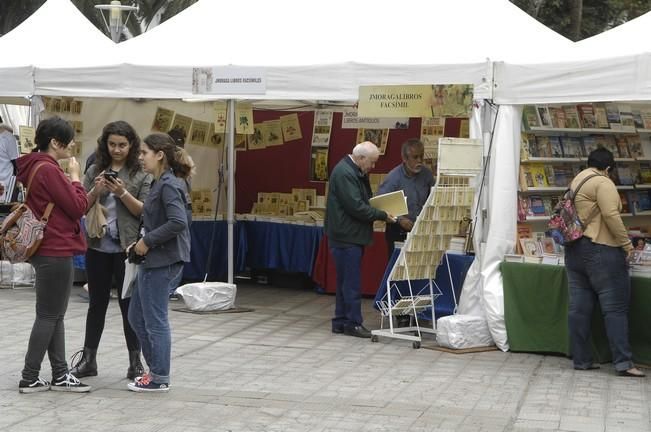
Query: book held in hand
x=394 y=203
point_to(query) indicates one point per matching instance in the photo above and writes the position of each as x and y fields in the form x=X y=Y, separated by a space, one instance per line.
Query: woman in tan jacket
x=596 y=267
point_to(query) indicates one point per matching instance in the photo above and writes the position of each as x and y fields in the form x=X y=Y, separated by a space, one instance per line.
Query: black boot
x=135 y=366
x=84 y=363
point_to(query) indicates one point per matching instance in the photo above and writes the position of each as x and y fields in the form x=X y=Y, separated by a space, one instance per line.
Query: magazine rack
x=448 y=204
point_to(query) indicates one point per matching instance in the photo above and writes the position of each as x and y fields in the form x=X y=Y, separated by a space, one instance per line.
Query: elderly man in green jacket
x=349 y=226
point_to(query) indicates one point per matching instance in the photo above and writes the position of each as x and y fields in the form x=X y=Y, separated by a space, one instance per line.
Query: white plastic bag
x=463 y=331
x=208 y=296
x=130 y=276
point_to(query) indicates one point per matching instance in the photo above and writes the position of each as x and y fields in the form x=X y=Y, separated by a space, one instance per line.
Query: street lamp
x=115 y=24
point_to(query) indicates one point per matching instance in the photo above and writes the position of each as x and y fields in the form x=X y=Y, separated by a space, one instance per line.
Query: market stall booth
x=320 y=69
x=596 y=97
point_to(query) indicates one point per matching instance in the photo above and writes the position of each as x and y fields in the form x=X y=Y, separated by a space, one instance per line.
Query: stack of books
x=457 y=245
x=640 y=262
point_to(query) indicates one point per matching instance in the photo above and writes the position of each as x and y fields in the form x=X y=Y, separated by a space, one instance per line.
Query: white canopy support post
x=231 y=189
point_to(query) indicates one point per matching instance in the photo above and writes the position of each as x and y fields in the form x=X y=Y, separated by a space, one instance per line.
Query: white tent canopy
x=613 y=65
x=320 y=53
x=56 y=35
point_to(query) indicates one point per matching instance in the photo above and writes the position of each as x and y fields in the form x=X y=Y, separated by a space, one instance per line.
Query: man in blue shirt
x=416 y=180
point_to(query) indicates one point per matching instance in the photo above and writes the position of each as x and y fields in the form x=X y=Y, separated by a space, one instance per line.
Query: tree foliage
x=151 y=12
x=596 y=15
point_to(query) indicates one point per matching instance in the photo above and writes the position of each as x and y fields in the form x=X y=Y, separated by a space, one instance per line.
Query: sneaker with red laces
x=145 y=384
x=139 y=378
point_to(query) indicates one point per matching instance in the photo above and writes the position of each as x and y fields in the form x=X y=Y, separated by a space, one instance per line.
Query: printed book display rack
x=450 y=202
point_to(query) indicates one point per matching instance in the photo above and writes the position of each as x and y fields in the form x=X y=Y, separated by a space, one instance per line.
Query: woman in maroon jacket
x=53 y=260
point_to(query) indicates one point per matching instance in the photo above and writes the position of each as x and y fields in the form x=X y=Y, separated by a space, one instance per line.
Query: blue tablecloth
x=285 y=247
x=200 y=235
x=444 y=304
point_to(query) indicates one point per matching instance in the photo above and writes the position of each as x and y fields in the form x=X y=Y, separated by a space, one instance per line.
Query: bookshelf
x=555 y=143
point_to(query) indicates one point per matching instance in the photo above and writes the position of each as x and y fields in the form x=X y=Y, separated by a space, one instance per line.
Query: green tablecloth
x=535 y=310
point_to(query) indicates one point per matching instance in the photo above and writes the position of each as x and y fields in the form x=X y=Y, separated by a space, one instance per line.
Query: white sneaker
x=69 y=383
x=35 y=386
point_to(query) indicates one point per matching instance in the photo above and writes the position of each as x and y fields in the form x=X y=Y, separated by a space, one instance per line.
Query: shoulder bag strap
x=50 y=205
x=574 y=193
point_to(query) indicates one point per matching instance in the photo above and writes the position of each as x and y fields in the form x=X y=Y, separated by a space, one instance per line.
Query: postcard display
x=555 y=144
x=448 y=207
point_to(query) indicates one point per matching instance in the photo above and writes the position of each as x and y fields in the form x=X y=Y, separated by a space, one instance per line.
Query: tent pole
x=231 y=188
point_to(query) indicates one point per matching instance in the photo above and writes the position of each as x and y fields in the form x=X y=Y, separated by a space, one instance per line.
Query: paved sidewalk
x=280 y=369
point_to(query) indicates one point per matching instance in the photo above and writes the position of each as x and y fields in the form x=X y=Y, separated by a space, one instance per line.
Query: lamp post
x=115 y=24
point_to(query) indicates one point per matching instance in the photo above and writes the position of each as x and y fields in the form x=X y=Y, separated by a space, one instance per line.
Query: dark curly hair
x=121 y=128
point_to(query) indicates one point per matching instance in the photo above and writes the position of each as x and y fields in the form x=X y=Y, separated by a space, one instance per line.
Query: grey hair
x=6 y=127
x=366 y=149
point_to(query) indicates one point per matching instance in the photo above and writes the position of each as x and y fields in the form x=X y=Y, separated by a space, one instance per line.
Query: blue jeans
x=149 y=318
x=176 y=280
x=348 y=306
x=598 y=272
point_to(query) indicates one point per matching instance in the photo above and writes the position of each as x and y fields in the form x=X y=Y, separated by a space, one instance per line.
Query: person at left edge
x=8 y=154
x=62 y=239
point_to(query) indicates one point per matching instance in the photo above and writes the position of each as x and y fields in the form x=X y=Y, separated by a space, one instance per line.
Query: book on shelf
x=530 y=247
x=549 y=175
x=600 y=116
x=623 y=197
x=612 y=114
x=622 y=147
x=525 y=145
x=626 y=116
x=637 y=119
x=643 y=201
x=532 y=259
x=645 y=173
x=538 y=176
x=543 y=147
x=537 y=205
x=634 y=146
x=530 y=116
x=523 y=231
x=526 y=181
x=625 y=175
x=543 y=116
x=586 y=115
x=571 y=116
x=557 y=116
x=562 y=175
x=555 y=146
x=523 y=208
x=513 y=258
x=550 y=259
x=589 y=144
x=607 y=142
x=645 y=113
x=572 y=147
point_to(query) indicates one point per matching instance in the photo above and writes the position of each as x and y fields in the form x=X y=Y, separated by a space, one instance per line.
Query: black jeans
x=52 y=286
x=102 y=269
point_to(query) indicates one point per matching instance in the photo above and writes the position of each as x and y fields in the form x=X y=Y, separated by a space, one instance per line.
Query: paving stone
x=280 y=368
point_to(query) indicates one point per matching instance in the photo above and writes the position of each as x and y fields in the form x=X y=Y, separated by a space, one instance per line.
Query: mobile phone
x=110 y=175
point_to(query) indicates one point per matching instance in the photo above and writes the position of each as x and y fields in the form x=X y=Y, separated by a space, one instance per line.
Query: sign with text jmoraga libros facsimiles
x=415 y=100
x=229 y=80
